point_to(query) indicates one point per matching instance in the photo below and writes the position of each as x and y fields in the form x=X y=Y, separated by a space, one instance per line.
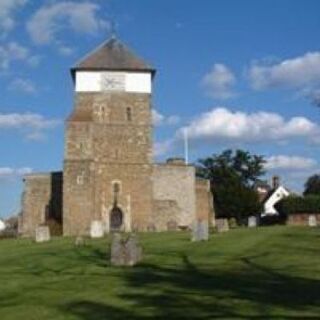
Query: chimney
x=275 y=182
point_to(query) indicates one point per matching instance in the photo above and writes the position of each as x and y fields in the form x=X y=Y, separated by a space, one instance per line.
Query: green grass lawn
x=265 y=273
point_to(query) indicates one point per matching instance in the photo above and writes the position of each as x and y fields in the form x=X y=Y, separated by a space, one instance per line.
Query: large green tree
x=312 y=185
x=232 y=175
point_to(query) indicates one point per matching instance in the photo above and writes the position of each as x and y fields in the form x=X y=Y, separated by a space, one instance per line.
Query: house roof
x=112 y=55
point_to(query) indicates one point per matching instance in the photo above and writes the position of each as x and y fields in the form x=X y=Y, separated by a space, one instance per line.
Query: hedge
x=299 y=204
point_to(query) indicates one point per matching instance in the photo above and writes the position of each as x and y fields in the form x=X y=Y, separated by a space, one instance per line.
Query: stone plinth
x=96 y=229
x=42 y=234
x=222 y=225
x=125 y=250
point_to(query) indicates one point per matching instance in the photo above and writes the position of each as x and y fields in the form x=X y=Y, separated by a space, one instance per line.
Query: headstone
x=96 y=229
x=252 y=222
x=312 y=221
x=222 y=225
x=42 y=234
x=200 y=231
x=151 y=227
x=172 y=225
x=79 y=241
x=125 y=250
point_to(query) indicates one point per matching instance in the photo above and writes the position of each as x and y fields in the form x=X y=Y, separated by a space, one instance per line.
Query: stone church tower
x=109 y=181
x=108 y=147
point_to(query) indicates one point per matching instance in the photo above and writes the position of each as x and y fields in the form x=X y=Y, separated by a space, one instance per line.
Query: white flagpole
x=186 y=146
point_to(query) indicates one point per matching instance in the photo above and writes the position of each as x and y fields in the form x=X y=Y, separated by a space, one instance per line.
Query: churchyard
x=246 y=273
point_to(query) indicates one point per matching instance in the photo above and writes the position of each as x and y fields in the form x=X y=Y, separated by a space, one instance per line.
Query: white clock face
x=113 y=81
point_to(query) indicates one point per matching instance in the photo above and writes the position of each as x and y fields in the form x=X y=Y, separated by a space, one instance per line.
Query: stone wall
x=176 y=182
x=301 y=219
x=41 y=200
x=164 y=212
x=204 y=201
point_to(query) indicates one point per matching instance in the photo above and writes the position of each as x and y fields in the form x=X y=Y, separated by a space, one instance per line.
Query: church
x=109 y=178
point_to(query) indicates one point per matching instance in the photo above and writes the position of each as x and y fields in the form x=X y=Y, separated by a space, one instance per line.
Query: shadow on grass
x=187 y=292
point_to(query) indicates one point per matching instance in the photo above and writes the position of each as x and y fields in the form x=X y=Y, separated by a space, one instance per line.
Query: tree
x=312 y=185
x=232 y=175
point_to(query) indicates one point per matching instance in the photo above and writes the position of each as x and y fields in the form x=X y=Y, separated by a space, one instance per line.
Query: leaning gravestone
x=96 y=229
x=125 y=250
x=200 y=231
x=252 y=222
x=42 y=234
x=222 y=225
x=312 y=221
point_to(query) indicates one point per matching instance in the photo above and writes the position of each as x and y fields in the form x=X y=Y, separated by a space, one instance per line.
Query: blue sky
x=232 y=73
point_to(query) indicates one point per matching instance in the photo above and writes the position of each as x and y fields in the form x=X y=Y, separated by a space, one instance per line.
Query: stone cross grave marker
x=96 y=229
x=42 y=234
x=125 y=250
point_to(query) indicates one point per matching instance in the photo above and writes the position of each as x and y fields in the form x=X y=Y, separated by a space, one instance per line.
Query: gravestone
x=172 y=225
x=151 y=227
x=222 y=225
x=125 y=250
x=252 y=222
x=79 y=241
x=96 y=229
x=42 y=234
x=312 y=221
x=200 y=231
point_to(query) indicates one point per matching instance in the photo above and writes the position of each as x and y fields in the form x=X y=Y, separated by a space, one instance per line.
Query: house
x=276 y=193
x=2 y=225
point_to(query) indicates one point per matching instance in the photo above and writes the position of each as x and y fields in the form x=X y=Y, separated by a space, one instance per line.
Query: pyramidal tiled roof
x=112 y=55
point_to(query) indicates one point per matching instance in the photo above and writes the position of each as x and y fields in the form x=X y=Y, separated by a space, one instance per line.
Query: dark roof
x=112 y=55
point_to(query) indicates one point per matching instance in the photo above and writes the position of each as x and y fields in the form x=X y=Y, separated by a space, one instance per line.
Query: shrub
x=297 y=204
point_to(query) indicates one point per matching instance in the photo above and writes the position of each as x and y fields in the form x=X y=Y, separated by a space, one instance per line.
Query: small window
x=129 y=114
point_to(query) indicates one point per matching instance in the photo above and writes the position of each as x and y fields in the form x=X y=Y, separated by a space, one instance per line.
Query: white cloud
x=65 y=51
x=6 y=172
x=7 y=9
x=22 y=85
x=15 y=52
x=48 y=22
x=219 y=82
x=160 y=119
x=223 y=124
x=285 y=162
x=298 y=72
x=32 y=124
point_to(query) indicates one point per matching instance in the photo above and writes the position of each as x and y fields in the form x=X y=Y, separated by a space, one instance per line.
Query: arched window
x=129 y=114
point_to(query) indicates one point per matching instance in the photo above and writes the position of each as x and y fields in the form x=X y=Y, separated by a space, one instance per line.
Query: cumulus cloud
x=224 y=124
x=8 y=172
x=159 y=119
x=285 y=162
x=13 y=51
x=32 y=124
x=50 y=20
x=297 y=72
x=22 y=85
x=219 y=81
x=7 y=10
